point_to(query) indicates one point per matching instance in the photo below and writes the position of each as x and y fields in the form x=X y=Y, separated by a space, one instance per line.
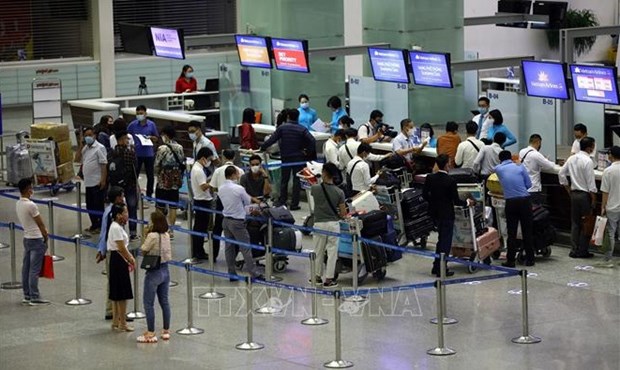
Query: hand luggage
x=387 y=178
x=373 y=255
x=391 y=238
x=257 y=236
x=415 y=228
x=284 y=238
x=18 y=163
x=374 y=224
x=487 y=243
x=493 y=184
x=412 y=202
x=464 y=176
x=281 y=214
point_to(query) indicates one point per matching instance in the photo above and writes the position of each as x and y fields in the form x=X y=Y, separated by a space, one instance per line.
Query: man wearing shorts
x=170 y=165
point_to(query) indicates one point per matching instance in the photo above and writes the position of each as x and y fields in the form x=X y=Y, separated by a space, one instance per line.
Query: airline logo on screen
x=429 y=58
x=543 y=82
x=289 y=55
x=253 y=52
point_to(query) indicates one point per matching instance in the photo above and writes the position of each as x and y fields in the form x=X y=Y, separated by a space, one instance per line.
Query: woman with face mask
x=186 y=82
x=121 y=262
x=307 y=115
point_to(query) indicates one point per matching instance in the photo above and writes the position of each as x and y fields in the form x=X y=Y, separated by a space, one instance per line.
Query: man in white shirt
x=199 y=140
x=359 y=172
x=483 y=119
x=234 y=200
x=371 y=131
x=403 y=144
x=202 y=198
x=331 y=146
x=535 y=162
x=582 y=191
x=468 y=150
x=348 y=151
x=610 y=187
x=580 y=131
x=35 y=244
x=217 y=180
x=488 y=158
x=93 y=158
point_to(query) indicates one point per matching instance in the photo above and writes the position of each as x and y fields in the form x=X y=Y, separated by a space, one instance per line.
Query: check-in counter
x=263 y=130
x=88 y=112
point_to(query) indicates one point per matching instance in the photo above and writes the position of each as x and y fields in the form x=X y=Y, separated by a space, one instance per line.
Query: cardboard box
x=57 y=131
x=65 y=152
x=65 y=172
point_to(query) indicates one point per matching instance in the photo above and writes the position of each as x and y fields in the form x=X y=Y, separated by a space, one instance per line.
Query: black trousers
x=581 y=206
x=95 y=202
x=519 y=211
x=149 y=168
x=445 y=229
x=201 y=224
x=287 y=173
x=217 y=227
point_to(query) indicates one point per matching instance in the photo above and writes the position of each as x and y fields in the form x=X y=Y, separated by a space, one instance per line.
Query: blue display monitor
x=389 y=65
x=431 y=69
x=168 y=42
x=545 y=79
x=595 y=84
x=253 y=51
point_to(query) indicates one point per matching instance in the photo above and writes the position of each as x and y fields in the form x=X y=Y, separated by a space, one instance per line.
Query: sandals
x=147 y=337
x=125 y=328
x=165 y=335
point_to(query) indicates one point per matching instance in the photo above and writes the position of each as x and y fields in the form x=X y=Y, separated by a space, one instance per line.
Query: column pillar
x=103 y=45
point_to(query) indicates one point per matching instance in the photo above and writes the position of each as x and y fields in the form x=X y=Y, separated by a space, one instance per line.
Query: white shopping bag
x=599 y=231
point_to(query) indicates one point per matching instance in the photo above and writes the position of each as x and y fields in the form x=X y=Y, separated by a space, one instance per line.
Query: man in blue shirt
x=307 y=115
x=145 y=153
x=515 y=182
x=116 y=195
x=335 y=104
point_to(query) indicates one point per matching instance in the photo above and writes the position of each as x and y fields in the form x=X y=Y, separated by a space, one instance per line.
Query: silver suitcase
x=18 y=163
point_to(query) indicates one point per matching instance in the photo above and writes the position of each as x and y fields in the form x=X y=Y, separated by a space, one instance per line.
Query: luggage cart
x=344 y=264
x=44 y=167
x=306 y=180
x=389 y=199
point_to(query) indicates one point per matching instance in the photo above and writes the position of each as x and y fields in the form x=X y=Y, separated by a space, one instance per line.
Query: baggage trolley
x=390 y=201
x=307 y=179
x=44 y=167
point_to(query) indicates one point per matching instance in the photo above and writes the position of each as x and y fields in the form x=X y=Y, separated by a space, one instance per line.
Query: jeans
x=131 y=198
x=580 y=203
x=217 y=227
x=34 y=250
x=613 y=227
x=287 y=173
x=157 y=282
x=519 y=211
x=327 y=243
x=95 y=198
x=236 y=230
x=201 y=224
x=445 y=229
x=149 y=168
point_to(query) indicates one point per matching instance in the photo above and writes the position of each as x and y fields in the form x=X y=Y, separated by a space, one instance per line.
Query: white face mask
x=255 y=169
x=410 y=132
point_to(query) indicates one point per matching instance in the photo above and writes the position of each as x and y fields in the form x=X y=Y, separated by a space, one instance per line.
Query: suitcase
x=391 y=238
x=374 y=256
x=419 y=227
x=257 y=236
x=281 y=214
x=18 y=163
x=540 y=215
x=464 y=176
x=487 y=243
x=374 y=224
x=412 y=200
x=284 y=238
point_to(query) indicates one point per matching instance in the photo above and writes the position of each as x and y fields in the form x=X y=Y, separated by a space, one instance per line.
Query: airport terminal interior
x=546 y=65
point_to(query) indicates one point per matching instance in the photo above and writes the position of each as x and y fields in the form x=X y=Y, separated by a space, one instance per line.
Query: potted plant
x=576 y=19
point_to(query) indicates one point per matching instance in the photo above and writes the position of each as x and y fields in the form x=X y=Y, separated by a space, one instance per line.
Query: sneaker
x=171 y=235
x=26 y=301
x=318 y=280
x=330 y=284
x=39 y=302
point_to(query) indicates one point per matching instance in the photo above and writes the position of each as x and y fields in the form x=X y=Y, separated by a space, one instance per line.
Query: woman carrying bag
x=157 y=251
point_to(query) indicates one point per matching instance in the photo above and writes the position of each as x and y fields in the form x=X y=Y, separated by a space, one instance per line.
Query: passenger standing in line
x=247 y=134
x=145 y=153
x=103 y=131
x=582 y=191
x=307 y=115
x=345 y=122
x=488 y=158
x=202 y=197
x=170 y=167
x=515 y=183
x=335 y=104
x=93 y=158
x=331 y=146
x=329 y=210
x=121 y=261
x=256 y=180
x=35 y=244
x=115 y=196
x=119 y=125
x=483 y=119
x=296 y=145
x=498 y=126
x=580 y=131
x=468 y=150
x=348 y=150
x=124 y=155
x=535 y=162
x=199 y=140
x=403 y=143
x=359 y=171
x=235 y=199
x=610 y=187
x=157 y=281
x=186 y=82
x=441 y=193
x=449 y=142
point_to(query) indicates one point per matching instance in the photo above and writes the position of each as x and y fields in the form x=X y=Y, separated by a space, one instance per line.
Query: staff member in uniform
x=535 y=162
x=335 y=104
x=307 y=115
x=234 y=200
x=483 y=119
x=582 y=191
x=201 y=190
x=186 y=82
x=145 y=153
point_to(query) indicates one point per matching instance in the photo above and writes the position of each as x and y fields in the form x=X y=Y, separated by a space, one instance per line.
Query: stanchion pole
x=2 y=155
x=190 y=329
x=525 y=338
x=78 y=300
x=136 y=313
x=338 y=363
x=211 y=294
x=440 y=350
x=141 y=205
x=355 y=244
x=52 y=231
x=442 y=277
x=314 y=319
x=14 y=283
x=190 y=220
x=268 y=308
x=249 y=344
x=78 y=204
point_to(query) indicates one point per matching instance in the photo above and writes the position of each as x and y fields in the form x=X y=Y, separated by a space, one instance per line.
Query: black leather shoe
x=438 y=273
x=108 y=317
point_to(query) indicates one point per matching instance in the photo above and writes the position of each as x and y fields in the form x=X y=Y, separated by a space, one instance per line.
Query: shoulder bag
x=152 y=261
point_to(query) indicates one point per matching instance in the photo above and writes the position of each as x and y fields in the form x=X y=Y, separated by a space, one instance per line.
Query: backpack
x=116 y=169
x=171 y=174
x=348 y=190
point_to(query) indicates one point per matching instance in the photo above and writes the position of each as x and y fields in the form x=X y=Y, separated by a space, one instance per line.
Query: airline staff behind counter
x=186 y=81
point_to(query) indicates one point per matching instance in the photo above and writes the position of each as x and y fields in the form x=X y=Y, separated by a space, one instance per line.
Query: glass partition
x=366 y=94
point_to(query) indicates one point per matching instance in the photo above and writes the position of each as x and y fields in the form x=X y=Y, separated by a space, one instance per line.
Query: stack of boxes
x=59 y=133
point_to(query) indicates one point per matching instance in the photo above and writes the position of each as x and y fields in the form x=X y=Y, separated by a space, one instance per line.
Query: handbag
x=47 y=269
x=598 y=233
x=152 y=261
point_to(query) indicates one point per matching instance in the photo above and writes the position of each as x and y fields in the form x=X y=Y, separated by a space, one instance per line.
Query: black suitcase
x=418 y=227
x=374 y=223
x=281 y=214
x=257 y=236
x=540 y=215
x=284 y=238
x=374 y=256
x=464 y=175
x=412 y=201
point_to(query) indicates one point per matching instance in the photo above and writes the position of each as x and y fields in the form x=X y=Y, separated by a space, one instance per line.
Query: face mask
x=304 y=105
x=483 y=110
x=207 y=164
x=340 y=127
x=411 y=132
x=189 y=74
x=192 y=136
x=89 y=140
x=140 y=117
x=255 y=169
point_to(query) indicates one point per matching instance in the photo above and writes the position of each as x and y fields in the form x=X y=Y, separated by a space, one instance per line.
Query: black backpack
x=116 y=169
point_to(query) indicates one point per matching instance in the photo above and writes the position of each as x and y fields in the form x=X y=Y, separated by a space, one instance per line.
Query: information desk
x=263 y=130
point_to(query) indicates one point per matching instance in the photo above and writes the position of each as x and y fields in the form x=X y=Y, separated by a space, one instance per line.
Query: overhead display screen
x=544 y=79
x=389 y=65
x=431 y=69
x=595 y=84
x=168 y=42
x=290 y=55
x=253 y=51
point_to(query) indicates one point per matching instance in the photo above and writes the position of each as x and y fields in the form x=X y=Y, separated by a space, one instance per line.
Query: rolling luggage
x=412 y=202
x=281 y=214
x=284 y=238
x=464 y=175
x=488 y=243
x=415 y=228
x=374 y=256
x=374 y=223
x=18 y=163
x=544 y=232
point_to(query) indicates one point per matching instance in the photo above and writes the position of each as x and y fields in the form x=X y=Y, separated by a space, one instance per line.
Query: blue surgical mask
x=140 y=117
x=483 y=110
x=189 y=74
x=192 y=136
x=89 y=140
x=304 y=105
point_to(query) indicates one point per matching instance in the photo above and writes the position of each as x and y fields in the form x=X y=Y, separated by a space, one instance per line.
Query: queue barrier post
x=268 y=308
x=50 y=210
x=189 y=329
x=314 y=319
x=355 y=246
x=136 y=314
x=249 y=344
x=338 y=363
x=525 y=338
x=211 y=294
x=141 y=206
x=190 y=218
x=442 y=277
x=14 y=283
x=78 y=214
x=3 y=245
x=78 y=300
x=441 y=349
